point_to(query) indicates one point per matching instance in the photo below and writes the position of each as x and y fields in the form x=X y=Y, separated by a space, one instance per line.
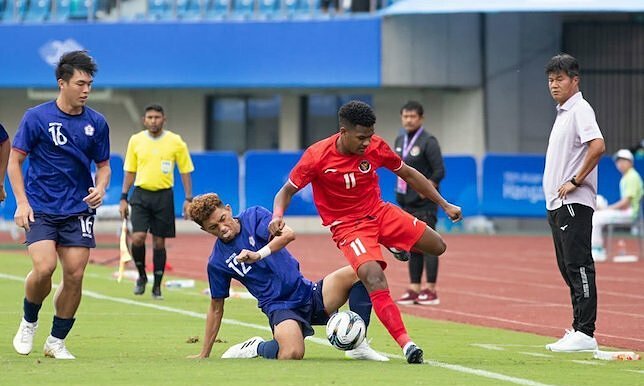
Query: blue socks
x=31 y=310
x=61 y=327
x=268 y=349
x=360 y=302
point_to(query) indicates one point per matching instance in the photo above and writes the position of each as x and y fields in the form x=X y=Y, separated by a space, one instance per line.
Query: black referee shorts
x=153 y=211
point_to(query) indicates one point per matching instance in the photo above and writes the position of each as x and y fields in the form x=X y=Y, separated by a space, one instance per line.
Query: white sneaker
x=577 y=341
x=365 y=352
x=246 y=349
x=55 y=348
x=23 y=342
x=563 y=338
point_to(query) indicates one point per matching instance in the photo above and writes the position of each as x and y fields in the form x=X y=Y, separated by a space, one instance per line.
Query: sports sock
x=268 y=349
x=360 y=302
x=31 y=310
x=389 y=315
x=61 y=327
x=158 y=259
x=138 y=255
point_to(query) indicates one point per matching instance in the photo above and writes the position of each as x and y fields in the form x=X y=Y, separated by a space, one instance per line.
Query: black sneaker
x=399 y=254
x=139 y=288
x=414 y=354
x=156 y=293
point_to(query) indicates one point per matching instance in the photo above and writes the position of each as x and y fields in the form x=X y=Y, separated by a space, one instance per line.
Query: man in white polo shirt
x=570 y=185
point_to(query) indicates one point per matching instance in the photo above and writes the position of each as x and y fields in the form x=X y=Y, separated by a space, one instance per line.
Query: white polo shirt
x=574 y=127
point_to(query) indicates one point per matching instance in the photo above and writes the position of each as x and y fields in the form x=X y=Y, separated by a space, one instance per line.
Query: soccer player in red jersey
x=342 y=171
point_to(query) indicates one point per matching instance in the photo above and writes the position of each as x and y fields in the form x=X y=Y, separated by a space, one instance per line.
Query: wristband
x=124 y=196
x=189 y=199
x=574 y=182
x=264 y=251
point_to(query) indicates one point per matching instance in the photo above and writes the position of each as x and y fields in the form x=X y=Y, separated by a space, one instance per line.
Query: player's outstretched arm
x=213 y=323
x=422 y=185
x=280 y=204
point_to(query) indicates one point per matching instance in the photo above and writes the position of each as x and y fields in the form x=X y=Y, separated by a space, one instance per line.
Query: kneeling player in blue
x=272 y=275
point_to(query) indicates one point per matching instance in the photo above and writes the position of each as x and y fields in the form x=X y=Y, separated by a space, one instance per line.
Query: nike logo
x=563 y=228
x=415 y=221
x=330 y=171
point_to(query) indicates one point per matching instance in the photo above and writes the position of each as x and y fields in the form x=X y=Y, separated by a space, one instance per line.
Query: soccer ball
x=345 y=330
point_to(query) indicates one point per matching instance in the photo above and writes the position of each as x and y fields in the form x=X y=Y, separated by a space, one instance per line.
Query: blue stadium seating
x=38 y=11
x=160 y=10
x=188 y=9
x=244 y=8
x=13 y=10
x=80 y=9
x=217 y=9
x=269 y=8
x=63 y=8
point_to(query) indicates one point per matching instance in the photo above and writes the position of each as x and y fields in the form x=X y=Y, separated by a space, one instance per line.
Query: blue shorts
x=311 y=314
x=66 y=231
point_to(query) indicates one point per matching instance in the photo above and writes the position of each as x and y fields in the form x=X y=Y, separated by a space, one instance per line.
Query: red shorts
x=390 y=226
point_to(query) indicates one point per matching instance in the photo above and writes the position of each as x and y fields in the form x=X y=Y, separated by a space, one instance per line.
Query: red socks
x=389 y=315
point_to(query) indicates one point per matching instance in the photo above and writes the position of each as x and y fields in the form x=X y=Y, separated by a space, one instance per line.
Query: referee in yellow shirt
x=149 y=165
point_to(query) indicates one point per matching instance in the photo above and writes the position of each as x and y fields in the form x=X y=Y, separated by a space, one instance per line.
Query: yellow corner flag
x=125 y=252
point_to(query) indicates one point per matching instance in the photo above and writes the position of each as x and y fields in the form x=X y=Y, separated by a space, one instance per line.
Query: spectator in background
x=421 y=151
x=5 y=149
x=326 y=4
x=575 y=147
x=149 y=164
x=624 y=211
x=56 y=203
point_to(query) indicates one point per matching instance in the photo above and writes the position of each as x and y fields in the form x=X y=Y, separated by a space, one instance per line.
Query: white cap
x=623 y=153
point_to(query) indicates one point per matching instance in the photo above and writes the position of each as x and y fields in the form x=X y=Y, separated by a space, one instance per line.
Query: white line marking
x=587 y=362
x=449 y=366
x=636 y=371
x=487 y=346
x=535 y=354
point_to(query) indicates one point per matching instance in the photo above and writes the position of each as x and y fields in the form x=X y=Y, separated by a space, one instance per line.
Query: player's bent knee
x=291 y=353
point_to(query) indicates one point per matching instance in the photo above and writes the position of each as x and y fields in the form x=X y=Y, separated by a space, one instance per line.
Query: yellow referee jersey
x=153 y=159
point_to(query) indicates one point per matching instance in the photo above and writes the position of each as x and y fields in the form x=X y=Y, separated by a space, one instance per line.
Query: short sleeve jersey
x=275 y=281
x=3 y=134
x=345 y=187
x=60 y=149
x=630 y=185
x=574 y=127
x=153 y=159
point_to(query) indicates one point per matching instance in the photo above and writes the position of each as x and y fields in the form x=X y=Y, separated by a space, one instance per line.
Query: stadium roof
x=493 y=6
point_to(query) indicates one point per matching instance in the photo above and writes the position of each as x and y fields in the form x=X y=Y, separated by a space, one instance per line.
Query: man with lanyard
x=421 y=151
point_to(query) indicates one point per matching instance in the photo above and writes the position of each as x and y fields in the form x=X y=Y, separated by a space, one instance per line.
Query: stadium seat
x=217 y=9
x=62 y=10
x=80 y=9
x=243 y=8
x=188 y=9
x=14 y=10
x=160 y=10
x=38 y=10
x=269 y=8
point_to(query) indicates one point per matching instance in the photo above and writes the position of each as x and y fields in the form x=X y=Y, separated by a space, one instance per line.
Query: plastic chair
x=38 y=11
x=14 y=10
x=159 y=10
x=636 y=226
x=217 y=9
x=188 y=9
x=63 y=8
x=268 y=8
x=244 y=8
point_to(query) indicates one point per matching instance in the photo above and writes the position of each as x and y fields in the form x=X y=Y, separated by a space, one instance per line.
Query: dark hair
x=154 y=107
x=355 y=113
x=563 y=63
x=413 y=106
x=75 y=60
x=202 y=207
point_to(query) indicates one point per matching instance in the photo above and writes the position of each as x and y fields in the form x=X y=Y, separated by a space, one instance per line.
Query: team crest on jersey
x=364 y=166
x=251 y=240
x=89 y=130
x=415 y=151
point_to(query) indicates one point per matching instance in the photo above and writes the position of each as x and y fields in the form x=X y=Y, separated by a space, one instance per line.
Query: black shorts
x=66 y=231
x=153 y=211
x=426 y=214
x=312 y=314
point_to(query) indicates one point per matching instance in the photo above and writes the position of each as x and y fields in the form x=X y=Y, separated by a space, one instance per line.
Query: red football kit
x=347 y=196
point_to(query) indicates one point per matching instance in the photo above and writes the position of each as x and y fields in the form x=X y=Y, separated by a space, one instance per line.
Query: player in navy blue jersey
x=5 y=148
x=57 y=197
x=272 y=275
